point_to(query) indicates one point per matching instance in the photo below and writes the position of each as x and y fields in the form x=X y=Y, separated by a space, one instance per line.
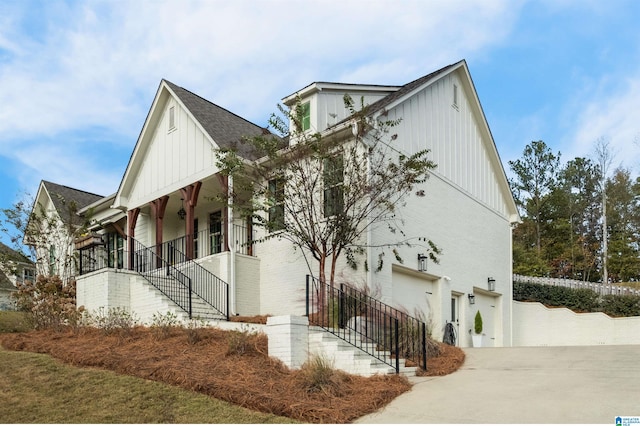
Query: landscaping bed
x=228 y=365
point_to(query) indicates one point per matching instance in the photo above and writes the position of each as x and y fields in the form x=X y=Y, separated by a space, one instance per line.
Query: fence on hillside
x=600 y=288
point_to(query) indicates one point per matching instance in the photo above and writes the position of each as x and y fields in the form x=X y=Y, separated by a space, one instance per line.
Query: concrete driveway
x=585 y=384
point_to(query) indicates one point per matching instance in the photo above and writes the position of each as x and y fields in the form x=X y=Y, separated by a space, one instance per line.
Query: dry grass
x=38 y=389
x=231 y=368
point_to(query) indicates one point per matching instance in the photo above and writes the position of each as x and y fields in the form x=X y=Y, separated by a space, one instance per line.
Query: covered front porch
x=192 y=228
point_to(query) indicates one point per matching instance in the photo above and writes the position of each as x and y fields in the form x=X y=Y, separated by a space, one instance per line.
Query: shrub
x=318 y=375
x=194 y=330
x=49 y=302
x=114 y=320
x=241 y=342
x=477 y=323
x=162 y=324
x=621 y=306
x=580 y=300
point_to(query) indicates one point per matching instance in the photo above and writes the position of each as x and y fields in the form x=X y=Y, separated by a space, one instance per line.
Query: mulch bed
x=226 y=365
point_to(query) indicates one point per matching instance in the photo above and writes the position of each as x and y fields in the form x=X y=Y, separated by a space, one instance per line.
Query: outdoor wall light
x=491 y=284
x=181 y=212
x=472 y=299
x=422 y=262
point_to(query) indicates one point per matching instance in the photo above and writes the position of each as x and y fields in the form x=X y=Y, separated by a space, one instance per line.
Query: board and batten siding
x=331 y=109
x=456 y=140
x=174 y=157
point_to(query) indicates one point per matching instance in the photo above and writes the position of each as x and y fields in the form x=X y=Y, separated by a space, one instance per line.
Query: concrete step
x=199 y=308
x=352 y=359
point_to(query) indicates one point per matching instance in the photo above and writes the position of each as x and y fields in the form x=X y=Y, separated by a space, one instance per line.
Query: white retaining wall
x=536 y=325
x=109 y=289
x=288 y=339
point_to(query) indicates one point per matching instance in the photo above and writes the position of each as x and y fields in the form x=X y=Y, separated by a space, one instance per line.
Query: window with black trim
x=215 y=232
x=333 y=177
x=115 y=249
x=276 y=202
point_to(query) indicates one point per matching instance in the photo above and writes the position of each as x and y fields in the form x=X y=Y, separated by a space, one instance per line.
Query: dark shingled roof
x=5 y=282
x=227 y=129
x=7 y=253
x=61 y=195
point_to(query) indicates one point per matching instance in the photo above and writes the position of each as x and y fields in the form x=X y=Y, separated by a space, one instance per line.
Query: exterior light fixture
x=472 y=299
x=491 y=284
x=422 y=262
x=182 y=213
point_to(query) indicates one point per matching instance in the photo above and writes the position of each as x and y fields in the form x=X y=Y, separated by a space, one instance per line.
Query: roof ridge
x=68 y=187
x=211 y=103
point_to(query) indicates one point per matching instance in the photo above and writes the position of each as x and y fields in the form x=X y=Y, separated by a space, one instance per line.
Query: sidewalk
x=585 y=384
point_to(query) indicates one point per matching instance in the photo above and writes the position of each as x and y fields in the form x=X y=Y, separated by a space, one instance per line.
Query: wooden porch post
x=158 y=207
x=190 y=196
x=132 y=218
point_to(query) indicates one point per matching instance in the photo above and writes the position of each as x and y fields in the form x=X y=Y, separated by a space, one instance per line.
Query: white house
x=15 y=268
x=167 y=234
x=52 y=227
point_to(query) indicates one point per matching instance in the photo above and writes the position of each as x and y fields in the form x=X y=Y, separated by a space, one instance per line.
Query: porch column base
x=288 y=339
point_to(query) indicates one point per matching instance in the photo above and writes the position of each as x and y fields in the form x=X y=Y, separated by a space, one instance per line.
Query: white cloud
x=93 y=65
x=611 y=111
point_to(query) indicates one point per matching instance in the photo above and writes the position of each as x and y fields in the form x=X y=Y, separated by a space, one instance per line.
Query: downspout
x=232 y=248
x=511 y=226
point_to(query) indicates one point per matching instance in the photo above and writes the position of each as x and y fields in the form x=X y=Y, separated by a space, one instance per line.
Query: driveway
x=573 y=384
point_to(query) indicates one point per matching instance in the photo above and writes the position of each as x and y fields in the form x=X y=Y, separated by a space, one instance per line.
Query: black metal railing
x=95 y=258
x=164 y=276
x=376 y=328
x=205 y=243
x=167 y=269
x=206 y=285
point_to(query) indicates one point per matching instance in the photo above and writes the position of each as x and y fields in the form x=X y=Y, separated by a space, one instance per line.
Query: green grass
x=36 y=388
x=13 y=321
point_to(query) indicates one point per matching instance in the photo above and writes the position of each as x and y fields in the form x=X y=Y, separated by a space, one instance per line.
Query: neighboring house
x=166 y=229
x=15 y=268
x=53 y=225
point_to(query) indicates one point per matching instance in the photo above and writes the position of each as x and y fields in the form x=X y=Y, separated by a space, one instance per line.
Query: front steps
x=199 y=308
x=349 y=358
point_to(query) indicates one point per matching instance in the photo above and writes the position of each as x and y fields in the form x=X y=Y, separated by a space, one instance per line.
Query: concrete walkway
x=586 y=384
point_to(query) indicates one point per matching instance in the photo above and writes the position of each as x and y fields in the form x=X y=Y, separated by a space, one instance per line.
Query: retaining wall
x=536 y=325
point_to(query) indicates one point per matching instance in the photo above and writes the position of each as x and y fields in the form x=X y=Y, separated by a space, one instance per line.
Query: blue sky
x=77 y=78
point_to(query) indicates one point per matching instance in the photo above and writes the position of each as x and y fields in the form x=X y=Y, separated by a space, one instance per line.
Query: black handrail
x=163 y=276
x=205 y=244
x=159 y=265
x=376 y=328
x=206 y=285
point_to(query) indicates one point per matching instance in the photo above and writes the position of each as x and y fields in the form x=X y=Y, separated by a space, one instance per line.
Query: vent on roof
x=172 y=118
x=455 y=96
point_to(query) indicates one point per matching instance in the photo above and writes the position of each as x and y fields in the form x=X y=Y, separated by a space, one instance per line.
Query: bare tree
x=604 y=156
x=49 y=234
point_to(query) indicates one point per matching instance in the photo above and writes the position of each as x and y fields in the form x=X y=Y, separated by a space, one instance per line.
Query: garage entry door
x=414 y=292
x=487 y=304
